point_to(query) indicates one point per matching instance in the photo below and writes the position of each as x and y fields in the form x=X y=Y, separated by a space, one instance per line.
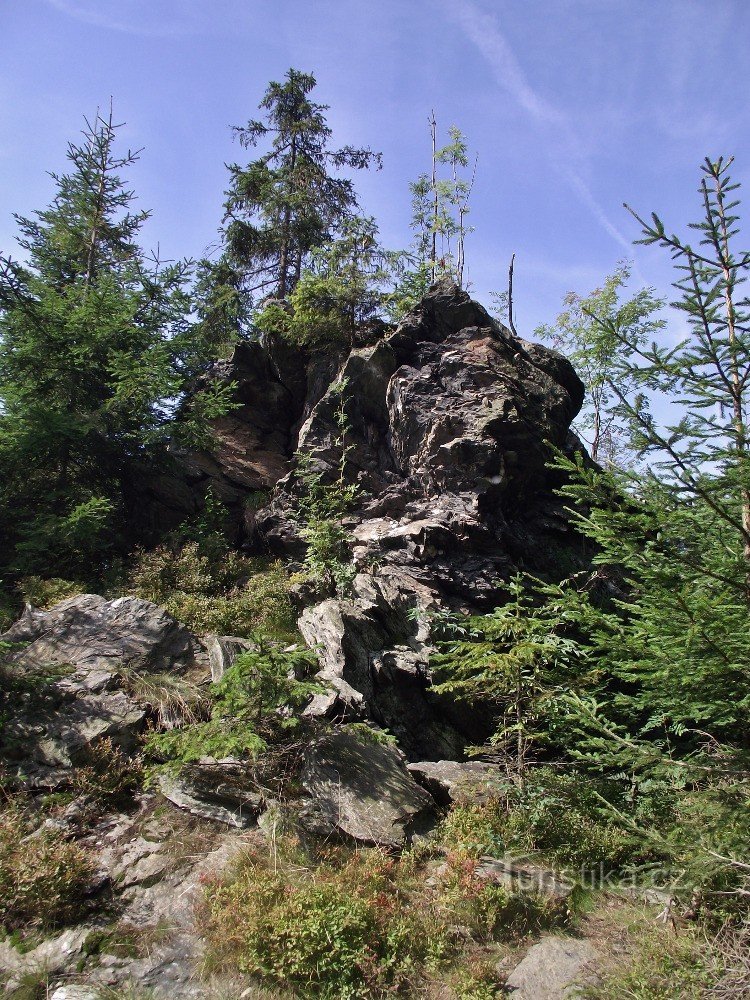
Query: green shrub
x=187 y=567
x=43 y=878
x=47 y=593
x=217 y=738
x=254 y=704
x=340 y=930
x=476 y=828
x=562 y=816
x=327 y=500
x=210 y=588
x=477 y=980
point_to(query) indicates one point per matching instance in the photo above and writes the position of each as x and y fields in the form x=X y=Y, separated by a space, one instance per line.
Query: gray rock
x=220 y=790
x=361 y=788
x=43 y=740
x=456 y=781
x=85 y=644
x=373 y=651
x=553 y=969
x=449 y=419
x=449 y=424
x=97 y=636
x=75 y=993
x=323 y=629
x=223 y=650
x=56 y=954
x=525 y=877
x=138 y=862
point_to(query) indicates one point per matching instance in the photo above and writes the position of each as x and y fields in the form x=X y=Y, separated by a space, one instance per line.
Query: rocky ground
x=445 y=438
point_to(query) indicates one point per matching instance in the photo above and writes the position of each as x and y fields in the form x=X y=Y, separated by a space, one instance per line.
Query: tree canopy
x=97 y=348
x=291 y=198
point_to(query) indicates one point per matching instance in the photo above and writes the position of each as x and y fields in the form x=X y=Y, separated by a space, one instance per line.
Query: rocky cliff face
x=449 y=419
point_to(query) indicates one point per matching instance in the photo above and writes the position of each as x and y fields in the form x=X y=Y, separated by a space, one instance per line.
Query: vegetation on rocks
x=584 y=616
x=44 y=879
x=254 y=704
x=358 y=924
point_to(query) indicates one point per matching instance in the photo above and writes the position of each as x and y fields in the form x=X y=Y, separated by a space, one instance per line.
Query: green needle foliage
x=515 y=658
x=95 y=350
x=290 y=199
x=348 y=283
x=676 y=534
x=255 y=704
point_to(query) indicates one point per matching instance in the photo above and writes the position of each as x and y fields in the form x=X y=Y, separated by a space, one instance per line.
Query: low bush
x=43 y=878
x=476 y=828
x=218 y=738
x=47 y=593
x=340 y=930
x=562 y=817
x=491 y=911
x=211 y=588
x=108 y=775
x=660 y=965
x=362 y=924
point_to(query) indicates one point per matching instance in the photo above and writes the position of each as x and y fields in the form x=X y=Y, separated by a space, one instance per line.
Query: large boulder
x=70 y=675
x=95 y=635
x=359 y=787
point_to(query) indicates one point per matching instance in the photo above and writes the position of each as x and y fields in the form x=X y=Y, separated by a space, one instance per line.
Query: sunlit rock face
x=449 y=424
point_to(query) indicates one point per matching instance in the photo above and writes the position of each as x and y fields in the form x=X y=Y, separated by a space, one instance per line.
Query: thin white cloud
x=113 y=16
x=483 y=31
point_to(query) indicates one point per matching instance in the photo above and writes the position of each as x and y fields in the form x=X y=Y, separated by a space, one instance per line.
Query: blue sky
x=572 y=106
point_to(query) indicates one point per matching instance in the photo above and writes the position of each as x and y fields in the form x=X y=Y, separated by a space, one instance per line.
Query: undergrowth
x=44 y=879
x=655 y=963
x=354 y=924
x=210 y=588
x=254 y=706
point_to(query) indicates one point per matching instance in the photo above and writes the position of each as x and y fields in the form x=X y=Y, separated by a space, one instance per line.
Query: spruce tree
x=291 y=198
x=95 y=352
x=349 y=282
x=674 y=535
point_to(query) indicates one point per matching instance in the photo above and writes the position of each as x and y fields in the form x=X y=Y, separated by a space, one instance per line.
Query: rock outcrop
x=553 y=969
x=449 y=422
x=70 y=668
